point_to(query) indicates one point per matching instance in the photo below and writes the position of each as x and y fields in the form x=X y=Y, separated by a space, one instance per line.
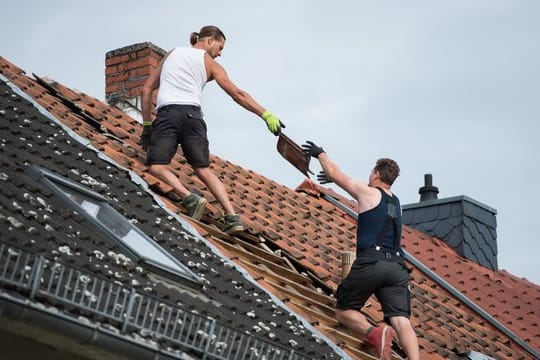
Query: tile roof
x=294 y=240
x=513 y=301
x=31 y=218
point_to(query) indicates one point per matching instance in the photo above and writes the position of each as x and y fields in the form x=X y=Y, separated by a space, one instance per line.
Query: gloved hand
x=272 y=122
x=310 y=149
x=323 y=178
x=146 y=135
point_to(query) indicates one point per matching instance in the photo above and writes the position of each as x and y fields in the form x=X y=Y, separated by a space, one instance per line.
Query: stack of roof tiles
x=292 y=244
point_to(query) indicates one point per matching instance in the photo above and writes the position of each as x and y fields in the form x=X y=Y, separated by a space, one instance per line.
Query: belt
x=380 y=253
x=179 y=107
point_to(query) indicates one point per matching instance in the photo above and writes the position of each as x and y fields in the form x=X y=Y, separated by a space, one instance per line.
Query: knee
x=400 y=323
x=340 y=316
x=202 y=172
x=156 y=169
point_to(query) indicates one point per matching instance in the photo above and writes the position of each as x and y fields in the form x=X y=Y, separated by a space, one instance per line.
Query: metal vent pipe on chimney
x=428 y=191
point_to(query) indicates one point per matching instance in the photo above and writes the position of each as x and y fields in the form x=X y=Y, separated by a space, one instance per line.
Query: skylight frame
x=57 y=183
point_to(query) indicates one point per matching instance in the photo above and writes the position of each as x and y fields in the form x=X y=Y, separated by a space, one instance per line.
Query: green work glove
x=146 y=135
x=272 y=122
x=310 y=149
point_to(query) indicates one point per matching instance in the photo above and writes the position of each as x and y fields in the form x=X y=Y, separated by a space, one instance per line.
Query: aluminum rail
x=128 y=310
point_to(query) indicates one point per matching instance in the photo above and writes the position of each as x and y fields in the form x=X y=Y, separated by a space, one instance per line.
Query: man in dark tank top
x=379 y=267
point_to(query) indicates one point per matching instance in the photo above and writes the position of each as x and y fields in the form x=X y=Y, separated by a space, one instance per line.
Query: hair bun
x=194 y=37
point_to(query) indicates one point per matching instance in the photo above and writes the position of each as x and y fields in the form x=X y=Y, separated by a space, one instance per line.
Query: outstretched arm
x=357 y=189
x=218 y=73
x=240 y=96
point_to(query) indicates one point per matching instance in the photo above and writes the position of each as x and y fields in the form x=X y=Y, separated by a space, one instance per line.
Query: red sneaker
x=381 y=339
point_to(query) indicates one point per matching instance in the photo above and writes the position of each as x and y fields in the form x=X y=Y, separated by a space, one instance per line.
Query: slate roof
x=294 y=240
x=31 y=219
x=467 y=226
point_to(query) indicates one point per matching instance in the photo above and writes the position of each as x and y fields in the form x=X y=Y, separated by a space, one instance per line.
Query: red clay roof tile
x=311 y=234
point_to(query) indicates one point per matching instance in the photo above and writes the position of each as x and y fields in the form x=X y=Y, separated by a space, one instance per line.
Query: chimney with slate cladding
x=468 y=226
x=126 y=70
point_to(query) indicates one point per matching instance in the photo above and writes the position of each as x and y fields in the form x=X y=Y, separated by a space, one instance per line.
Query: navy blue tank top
x=371 y=223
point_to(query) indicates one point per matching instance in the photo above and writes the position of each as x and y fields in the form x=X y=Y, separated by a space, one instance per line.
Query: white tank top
x=183 y=76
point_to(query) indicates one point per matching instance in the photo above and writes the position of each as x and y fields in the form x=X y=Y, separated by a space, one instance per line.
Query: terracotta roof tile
x=28 y=207
x=311 y=233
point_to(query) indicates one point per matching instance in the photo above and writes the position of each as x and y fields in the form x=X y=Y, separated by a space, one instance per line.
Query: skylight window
x=115 y=226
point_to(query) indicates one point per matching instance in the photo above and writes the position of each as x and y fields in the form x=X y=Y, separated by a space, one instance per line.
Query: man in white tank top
x=180 y=78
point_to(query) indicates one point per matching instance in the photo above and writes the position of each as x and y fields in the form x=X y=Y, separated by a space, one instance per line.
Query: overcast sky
x=450 y=88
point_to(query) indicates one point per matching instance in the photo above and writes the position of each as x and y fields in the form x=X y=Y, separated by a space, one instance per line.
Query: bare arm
x=357 y=189
x=151 y=84
x=217 y=72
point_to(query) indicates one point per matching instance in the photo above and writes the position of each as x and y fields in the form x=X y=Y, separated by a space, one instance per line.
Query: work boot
x=380 y=338
x=194 y=205
x=230 y=224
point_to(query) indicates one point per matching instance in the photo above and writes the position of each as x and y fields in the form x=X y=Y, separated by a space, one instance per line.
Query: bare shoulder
x=213 y=68
x=208 y=59
x=368 y=199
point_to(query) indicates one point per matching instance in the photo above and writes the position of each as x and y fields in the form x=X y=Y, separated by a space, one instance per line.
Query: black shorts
x=387 y=279
x=179 y=124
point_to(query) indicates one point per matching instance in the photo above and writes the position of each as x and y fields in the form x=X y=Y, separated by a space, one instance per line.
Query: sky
x=450 y=88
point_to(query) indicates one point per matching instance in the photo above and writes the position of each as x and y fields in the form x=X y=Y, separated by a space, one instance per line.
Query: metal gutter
x=448 y=287
x=86 y=334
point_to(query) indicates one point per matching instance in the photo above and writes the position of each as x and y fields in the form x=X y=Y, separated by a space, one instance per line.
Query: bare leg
x=163 y=172
x=354 y=320
x=407 y=336
x=216 y=187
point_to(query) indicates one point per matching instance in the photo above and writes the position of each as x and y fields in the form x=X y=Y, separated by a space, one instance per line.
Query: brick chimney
x=126 y=70
x=468 y=226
